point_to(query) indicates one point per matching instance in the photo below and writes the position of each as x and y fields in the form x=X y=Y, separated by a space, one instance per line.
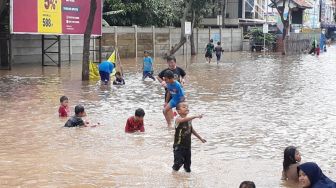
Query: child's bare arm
x=198 y=136
x=185 y=119
x=167 y=97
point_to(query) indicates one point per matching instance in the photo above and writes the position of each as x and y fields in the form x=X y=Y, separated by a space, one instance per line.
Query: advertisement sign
x=54 y=17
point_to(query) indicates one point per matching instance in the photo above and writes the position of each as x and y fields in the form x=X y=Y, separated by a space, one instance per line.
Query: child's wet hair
x=218 y=43
x=63 y=98
x=118 y=73
x=171 y=57
x=178 y=106
x=247 y=184
x=289 y=157
x=169 y=74
x=79 y=109
x=139 y=112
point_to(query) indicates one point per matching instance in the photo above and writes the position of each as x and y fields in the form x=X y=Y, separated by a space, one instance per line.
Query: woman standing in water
x=292 y=158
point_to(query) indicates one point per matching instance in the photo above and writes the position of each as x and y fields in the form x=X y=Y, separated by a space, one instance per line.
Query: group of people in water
x=308 y=175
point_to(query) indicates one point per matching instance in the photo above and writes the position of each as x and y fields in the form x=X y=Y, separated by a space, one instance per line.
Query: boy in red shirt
x=64 y=110
x=135 y=123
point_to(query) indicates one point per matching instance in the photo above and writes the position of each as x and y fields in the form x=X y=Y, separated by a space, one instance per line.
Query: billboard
x=54 y=17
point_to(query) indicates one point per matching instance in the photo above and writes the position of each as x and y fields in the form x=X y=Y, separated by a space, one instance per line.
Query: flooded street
x=254 y=107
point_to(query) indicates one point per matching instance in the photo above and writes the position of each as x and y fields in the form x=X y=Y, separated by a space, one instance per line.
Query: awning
x=299 y=3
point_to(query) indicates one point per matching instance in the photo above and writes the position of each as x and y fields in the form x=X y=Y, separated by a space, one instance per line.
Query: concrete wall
x=28 y=49
x=164 y=38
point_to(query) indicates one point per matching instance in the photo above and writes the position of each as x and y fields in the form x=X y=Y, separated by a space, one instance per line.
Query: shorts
x=104 y=76
x=182 y=156
x=174 y=102
x=218 y=56
x=208 y=54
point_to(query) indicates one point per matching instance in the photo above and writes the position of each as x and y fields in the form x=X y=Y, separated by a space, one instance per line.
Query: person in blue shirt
x=105 y=69
x=175 y=95
x=147 y=66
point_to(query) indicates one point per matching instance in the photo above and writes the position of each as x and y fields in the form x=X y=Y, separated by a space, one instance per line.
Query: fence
x=300 y=42
x=132 y=41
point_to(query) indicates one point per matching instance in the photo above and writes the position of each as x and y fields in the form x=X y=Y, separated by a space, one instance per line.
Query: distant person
x=247 y=184
x=179 y=75
x=119 y=80
x=317 y=50
x=182 y=138
x=208 y=50
x=311 y=176
x=64 y=110
x=105 y=69
x=218 y=50
x=136 y=122
x=291 y=161
x=147 y=67
x=174 y=96
x=313 y=48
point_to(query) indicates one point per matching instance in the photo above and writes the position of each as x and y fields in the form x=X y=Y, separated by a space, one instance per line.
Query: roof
x=299 y=3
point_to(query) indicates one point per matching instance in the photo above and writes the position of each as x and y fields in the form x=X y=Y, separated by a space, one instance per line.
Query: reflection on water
x=254 y=107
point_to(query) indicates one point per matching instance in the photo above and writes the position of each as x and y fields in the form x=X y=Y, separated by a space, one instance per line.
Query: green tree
x=194 y=11
x=139 y=12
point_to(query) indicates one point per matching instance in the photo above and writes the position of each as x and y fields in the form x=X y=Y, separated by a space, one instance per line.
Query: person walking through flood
x=179 y=75
x=208 y=51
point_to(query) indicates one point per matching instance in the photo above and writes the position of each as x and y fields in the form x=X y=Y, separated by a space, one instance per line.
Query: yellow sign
x=50 y=16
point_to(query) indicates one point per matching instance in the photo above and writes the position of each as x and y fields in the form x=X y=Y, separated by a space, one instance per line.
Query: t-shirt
x=74 y=121
x=209 y=47
x=182 y=136
x=218 y=50
x=133 y=126
x=178 y=73
x=106 y=66
x=63 y=111
x=175 y=90
x=148 y=64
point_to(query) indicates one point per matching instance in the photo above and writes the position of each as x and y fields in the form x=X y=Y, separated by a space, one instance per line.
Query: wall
x=28 y=49
x=160 y=40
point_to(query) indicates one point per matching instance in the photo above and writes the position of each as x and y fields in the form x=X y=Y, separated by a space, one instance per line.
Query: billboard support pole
x=59 y=50
x=45 y=51
x=100 y=48
x=70 y=50
x=42 y=50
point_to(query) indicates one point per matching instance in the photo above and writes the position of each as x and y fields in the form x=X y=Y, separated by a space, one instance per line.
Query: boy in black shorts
x=182 y=140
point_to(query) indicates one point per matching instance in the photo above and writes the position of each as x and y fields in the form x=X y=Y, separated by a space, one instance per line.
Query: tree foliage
x=141 y=12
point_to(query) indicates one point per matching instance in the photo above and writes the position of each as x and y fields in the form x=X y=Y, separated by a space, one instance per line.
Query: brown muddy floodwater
x=254 y=107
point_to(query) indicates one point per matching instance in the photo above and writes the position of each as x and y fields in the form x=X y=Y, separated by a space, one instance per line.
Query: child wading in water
x=76 y=120
x=63 y=110
x=182 y=140
x=136 y=122
x=175 y=95
x=292 y=158
x=147 y=66
x=219 y=50
x=119 y=80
